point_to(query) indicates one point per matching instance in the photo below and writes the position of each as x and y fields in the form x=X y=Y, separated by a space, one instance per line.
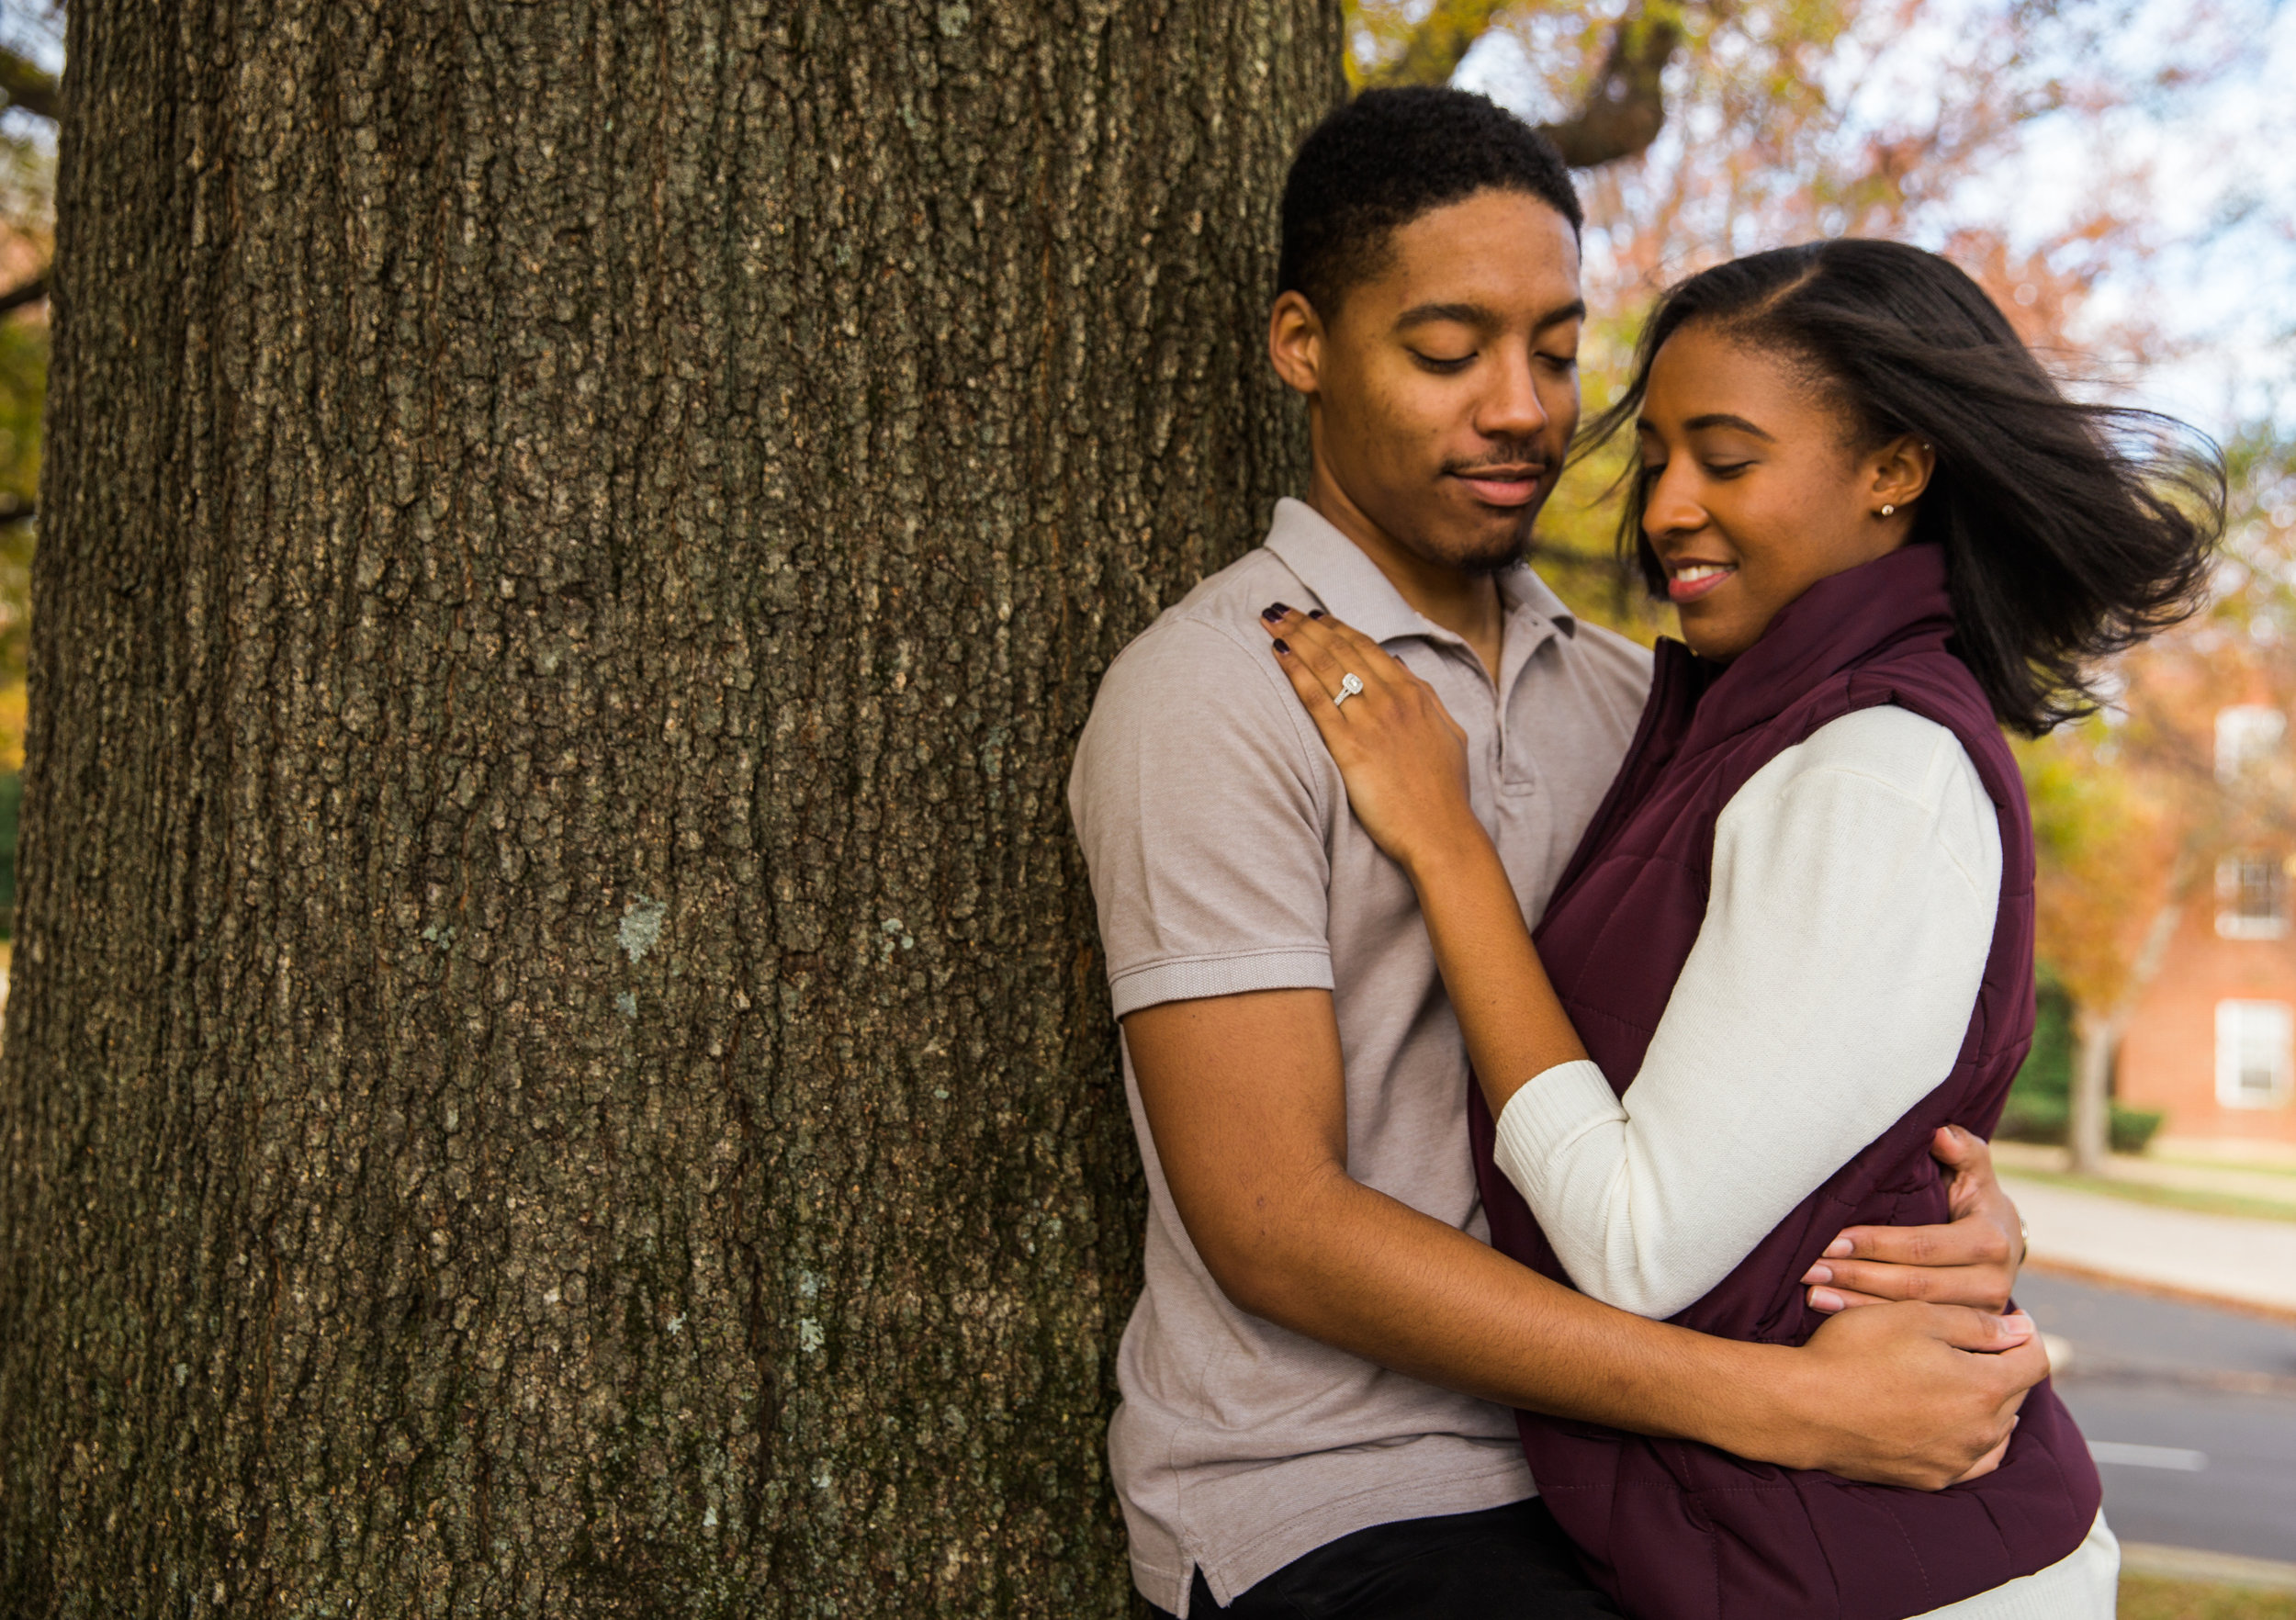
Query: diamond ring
x=1349 y=685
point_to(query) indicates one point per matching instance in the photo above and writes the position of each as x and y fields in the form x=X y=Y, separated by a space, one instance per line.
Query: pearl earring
x=1889 y=511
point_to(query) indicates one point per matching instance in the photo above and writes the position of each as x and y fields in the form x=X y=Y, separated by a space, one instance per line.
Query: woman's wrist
x=1448 y=850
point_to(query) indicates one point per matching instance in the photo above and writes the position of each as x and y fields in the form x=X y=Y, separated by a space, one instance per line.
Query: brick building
x=2212 y=1042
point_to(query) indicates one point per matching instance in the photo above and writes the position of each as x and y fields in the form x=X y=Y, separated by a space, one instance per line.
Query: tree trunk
x=2097 y=1040
x=559 y=1065
x=2088 y=1132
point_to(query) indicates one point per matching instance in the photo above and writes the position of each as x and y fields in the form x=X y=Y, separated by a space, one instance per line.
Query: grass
x=2174 y=1197
x=2246 y=1167
x=2149 y=1597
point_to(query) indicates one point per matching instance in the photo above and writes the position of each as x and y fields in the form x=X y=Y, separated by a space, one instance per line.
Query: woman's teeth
x=1693 y=580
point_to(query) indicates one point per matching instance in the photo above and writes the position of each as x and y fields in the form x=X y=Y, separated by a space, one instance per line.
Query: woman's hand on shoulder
x=1402 y=754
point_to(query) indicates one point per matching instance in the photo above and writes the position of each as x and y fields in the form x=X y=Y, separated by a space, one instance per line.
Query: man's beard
x=1514 y=551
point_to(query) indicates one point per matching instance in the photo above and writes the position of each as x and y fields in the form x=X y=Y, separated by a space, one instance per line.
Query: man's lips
x=1687 y=581
x=1503 y=486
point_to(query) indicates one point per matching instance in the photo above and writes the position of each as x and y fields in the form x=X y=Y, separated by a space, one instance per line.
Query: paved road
x=2192 y=1409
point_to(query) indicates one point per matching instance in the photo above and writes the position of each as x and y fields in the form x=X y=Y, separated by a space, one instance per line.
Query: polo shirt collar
x=1350 y=583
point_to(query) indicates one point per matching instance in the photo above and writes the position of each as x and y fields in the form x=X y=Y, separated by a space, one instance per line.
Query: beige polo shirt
x=1225 y=859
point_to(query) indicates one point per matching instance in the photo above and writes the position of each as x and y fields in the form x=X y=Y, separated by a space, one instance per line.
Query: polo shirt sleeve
x=1204 y=821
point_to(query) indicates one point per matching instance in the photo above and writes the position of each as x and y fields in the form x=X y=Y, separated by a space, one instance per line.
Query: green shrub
x=2132 y=1128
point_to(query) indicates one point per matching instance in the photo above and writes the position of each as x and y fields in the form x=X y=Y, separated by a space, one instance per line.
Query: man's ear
x=1295 y=343
x=1901 y=471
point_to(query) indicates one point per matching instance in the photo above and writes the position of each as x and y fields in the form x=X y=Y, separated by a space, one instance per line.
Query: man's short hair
x=1388 y=156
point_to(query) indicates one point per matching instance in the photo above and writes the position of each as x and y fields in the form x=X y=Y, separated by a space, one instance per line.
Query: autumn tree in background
x=2137 y=813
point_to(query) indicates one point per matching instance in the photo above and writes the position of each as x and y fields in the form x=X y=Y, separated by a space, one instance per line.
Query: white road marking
x=2148 y=1457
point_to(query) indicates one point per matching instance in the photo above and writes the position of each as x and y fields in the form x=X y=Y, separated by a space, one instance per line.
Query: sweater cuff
x=1544 y=1116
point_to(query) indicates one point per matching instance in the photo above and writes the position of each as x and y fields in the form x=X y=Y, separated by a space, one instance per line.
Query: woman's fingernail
x=1818 y=1274
x=1274 y=612
x=1826 y=1300
x=1281 y=645
x=1838 y=1249
x=1316 y=613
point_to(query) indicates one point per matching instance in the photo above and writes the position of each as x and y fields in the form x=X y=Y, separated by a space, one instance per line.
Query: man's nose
x=1513 y=409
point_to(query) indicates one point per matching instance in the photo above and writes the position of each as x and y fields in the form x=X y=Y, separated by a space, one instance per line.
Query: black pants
x=1506 y=1563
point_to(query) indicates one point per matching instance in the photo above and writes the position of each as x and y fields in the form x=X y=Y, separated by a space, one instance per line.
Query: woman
x=1797 y=939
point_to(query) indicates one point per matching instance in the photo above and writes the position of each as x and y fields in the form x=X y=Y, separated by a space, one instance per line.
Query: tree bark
x=558 y=1063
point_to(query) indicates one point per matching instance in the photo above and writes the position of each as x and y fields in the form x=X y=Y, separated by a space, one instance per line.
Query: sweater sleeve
x=1855 y=883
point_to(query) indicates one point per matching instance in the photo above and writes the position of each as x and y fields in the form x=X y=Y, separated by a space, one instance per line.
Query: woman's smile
x=1688 y=580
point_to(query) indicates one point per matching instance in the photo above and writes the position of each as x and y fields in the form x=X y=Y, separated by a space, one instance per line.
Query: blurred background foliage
x=32 y=37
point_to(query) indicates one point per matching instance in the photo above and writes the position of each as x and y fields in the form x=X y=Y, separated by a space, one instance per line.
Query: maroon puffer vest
x=1679 y=1531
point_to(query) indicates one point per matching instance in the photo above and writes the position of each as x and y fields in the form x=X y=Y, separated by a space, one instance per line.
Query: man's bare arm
x=1246 y=1101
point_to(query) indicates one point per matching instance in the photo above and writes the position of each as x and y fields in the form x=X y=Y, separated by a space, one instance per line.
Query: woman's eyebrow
x=1723 y=418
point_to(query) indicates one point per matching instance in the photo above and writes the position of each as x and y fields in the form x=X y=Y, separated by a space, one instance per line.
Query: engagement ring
x=1348 y=686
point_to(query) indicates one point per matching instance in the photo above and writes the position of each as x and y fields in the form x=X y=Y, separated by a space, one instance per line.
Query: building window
x=2254 y=1062
x=2247 y=735
x=2251 y=897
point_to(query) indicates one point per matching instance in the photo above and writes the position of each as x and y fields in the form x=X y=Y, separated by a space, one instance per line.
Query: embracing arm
x=1245 y=1099
x=1741 y=1107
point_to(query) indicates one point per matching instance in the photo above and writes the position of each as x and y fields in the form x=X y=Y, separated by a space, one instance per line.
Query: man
x=1315 y=1378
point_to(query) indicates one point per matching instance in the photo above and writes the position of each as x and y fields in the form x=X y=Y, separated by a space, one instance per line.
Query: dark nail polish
x=1281 y=645
x=1316 y=613
x=1274 y=612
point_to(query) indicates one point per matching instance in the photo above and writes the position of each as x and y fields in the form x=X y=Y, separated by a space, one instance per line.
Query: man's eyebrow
x=1476 y=315
x=1464 y=314
x=1723 y=418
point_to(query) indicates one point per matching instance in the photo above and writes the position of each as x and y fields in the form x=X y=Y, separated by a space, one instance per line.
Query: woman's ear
x=1295 y=343
x=1901 y=471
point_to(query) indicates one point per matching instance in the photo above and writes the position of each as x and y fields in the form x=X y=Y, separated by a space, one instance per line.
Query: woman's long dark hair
x=2071 y=531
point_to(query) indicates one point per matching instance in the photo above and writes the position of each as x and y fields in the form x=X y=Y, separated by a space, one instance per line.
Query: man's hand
x=1972 y=1262
x=1895 y=1397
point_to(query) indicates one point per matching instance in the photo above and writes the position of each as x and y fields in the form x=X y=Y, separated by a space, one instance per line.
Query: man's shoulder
x=1208 y=638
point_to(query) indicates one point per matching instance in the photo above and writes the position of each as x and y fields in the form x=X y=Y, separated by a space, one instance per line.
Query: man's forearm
x=1894 y=1401
x=1375 y=1276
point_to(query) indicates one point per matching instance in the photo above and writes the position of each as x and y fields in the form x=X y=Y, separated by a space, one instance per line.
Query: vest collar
x=1840 y=622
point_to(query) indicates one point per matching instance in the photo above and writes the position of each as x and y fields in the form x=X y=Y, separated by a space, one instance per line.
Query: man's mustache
x=1534 y=462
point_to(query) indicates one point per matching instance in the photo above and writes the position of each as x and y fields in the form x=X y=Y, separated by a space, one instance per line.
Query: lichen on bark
x=557 y=1063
